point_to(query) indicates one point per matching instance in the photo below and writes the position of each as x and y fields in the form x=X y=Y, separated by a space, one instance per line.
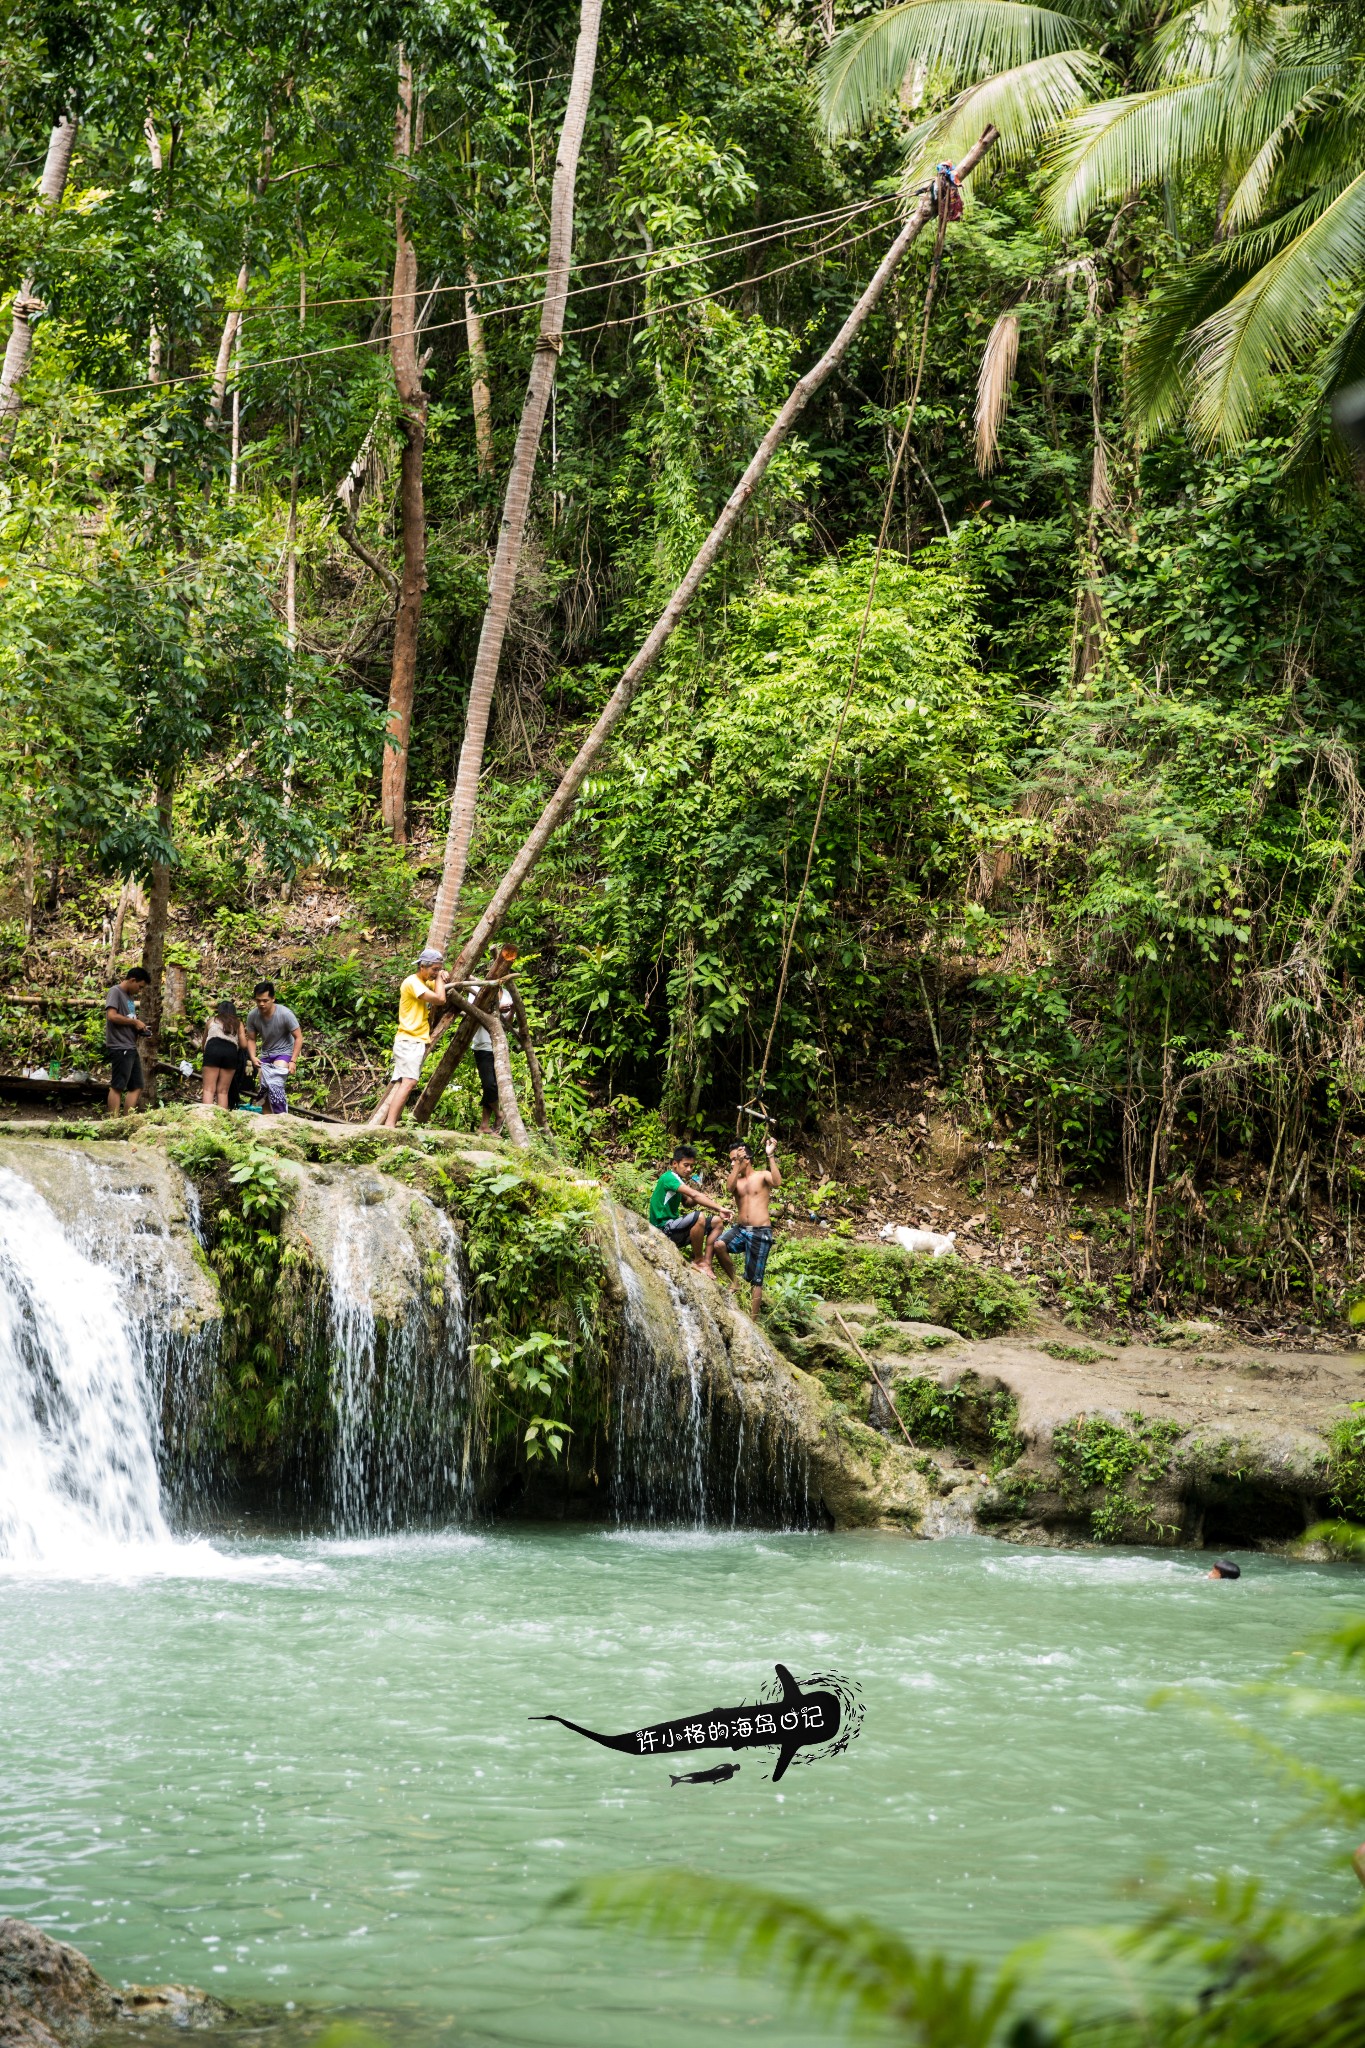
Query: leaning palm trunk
x=51 y=186
x=561 y=803
x=516 y=504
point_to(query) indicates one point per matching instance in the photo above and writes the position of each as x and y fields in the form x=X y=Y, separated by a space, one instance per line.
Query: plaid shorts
x=755 y=1240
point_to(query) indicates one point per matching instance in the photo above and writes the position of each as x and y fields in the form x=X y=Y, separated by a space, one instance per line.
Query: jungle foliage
x=1092 y=827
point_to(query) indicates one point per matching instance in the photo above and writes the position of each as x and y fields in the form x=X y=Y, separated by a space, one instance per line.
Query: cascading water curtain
x=79 y=1481
x=400 y=1390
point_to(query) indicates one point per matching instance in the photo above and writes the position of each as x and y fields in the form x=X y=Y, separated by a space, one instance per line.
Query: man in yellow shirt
x=420 y=995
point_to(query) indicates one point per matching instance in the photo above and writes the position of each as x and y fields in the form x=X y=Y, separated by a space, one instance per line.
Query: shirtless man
x=753 y=1234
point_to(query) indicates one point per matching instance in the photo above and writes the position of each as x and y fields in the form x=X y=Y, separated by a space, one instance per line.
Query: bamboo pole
x=858 y=1349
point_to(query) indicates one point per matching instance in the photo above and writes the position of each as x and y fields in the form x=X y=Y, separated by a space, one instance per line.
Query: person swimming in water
x=1225 y=1569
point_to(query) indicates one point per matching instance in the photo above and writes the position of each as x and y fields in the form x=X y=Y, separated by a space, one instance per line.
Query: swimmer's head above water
x=1225 y=1569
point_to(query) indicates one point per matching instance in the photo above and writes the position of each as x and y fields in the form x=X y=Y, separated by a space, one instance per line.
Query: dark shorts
x=755 y=1240
x=488 y=1077
x=220 y=1052
x=679 y=1228
x=125 y=1069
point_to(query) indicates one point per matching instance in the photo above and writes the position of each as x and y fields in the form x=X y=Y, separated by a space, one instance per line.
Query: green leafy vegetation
x=269 y=1393
x=977 y=1300
x=1122 y=1461
x=962 y=1415
x=537 y=1281
x=1091 y=820
x=1346 y=1463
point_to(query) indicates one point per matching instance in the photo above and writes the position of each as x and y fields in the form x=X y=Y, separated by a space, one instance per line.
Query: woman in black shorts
x=224 y=1041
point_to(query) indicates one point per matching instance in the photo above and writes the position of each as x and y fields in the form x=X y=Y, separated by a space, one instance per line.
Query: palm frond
x=1112 y=150
x=1320 y=142
x=1190 y=45
x=1024 y=104
x=1279 y=319
x=1159 y=369
x=962 y=39
x=850 y=1968
x=993 y=387
x=1261 y=176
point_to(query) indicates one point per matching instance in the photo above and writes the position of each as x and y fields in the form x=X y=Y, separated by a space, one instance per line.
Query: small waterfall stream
x=659 y=1447
x=78 y=1424
x=399 y=1389
x=683 y=1455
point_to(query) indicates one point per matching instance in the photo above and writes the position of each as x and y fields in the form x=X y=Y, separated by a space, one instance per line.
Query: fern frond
x=1278 y=320
x=850 y=1969
x=1116 y=148
x=1295 y=152
x=993 y=387
x=1159 y=369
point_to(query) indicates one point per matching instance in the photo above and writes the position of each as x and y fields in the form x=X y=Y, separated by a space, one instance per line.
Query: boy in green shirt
x=685 y=1225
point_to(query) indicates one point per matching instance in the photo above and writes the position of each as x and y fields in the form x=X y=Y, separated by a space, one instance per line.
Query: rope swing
x=948 y=194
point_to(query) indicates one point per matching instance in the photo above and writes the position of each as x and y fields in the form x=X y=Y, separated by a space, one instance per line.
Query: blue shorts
x=755 y=1240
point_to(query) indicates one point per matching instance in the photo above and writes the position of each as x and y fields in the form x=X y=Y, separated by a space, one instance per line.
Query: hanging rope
x=947 y=192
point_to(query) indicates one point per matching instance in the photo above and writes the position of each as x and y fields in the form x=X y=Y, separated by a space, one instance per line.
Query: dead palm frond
x=993 y=387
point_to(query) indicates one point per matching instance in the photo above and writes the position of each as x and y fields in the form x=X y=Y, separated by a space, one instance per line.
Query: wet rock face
x=776 y=1445
x=51 y=1997
x=129 y=1207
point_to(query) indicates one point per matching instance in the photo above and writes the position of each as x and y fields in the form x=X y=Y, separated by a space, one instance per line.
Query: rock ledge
x=51 y=1997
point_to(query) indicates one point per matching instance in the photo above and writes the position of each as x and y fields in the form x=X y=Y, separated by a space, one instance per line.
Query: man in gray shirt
x=122 y=1030
x=277 y=1032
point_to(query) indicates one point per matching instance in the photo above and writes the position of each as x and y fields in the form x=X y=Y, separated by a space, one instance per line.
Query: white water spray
x=399 y=1390
x=78 y=1436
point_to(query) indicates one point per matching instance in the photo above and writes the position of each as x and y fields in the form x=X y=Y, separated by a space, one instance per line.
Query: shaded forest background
x=1088 y=875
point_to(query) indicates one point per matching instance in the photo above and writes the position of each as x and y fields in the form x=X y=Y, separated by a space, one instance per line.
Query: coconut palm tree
x=1254 y=111
x=1261 y=109
x=1018 y=67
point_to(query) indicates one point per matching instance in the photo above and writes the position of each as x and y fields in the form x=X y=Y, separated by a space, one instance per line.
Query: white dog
x=931 y=1241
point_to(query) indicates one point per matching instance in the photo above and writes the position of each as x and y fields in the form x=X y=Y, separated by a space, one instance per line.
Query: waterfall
x=659 y=1444
x=683 y=1453
x=399 y=1387
x=78 y=1426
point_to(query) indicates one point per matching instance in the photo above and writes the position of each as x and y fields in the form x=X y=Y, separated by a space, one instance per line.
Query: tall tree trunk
x=561 y=803
x=291 y=562
x=230 y=341
x=502 y=578
x=673 y=611
x=407 y=376
x=235 y=459
x=154 y=946
x=149 y=129
x=19 y=348
x=480 y=392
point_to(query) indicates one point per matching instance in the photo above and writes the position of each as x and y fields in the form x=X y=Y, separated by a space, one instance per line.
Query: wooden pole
x=532 y=1063
x=876 y=1376
x=461 y=1038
